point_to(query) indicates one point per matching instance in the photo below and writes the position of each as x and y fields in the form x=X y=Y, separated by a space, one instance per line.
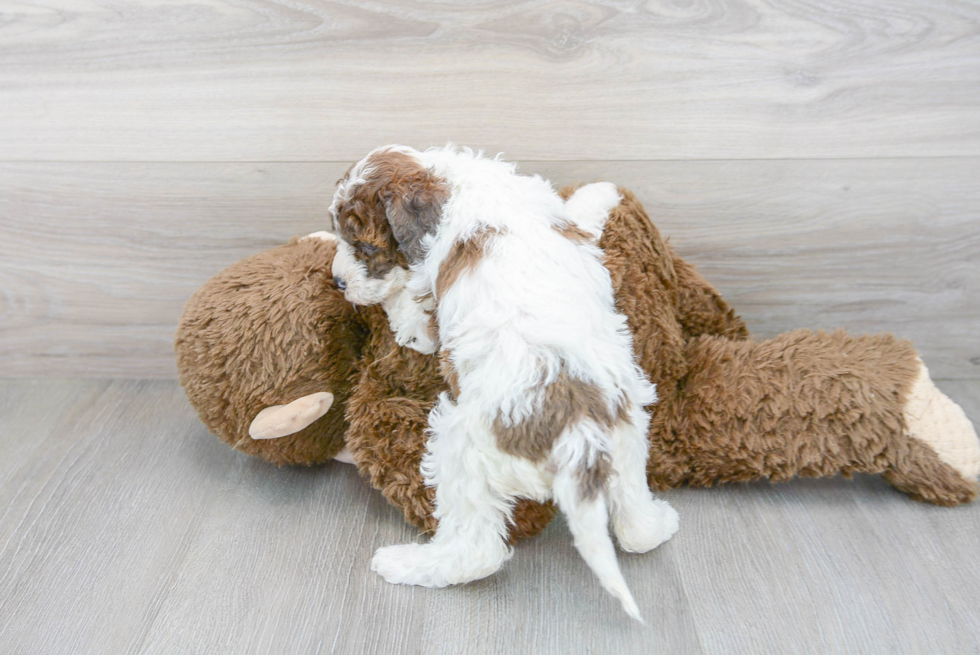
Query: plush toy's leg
x=701 y=309
x=813 y=404
x=935 y=424
x=640 y=522
x=472 y=506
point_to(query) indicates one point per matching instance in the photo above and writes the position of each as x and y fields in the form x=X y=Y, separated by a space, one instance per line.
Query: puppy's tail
x=582 y=461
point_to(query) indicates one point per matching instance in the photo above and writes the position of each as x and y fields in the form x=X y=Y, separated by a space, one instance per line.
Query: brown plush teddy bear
x=280 y=366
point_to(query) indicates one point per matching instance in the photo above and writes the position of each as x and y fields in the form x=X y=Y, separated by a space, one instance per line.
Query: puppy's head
x=383 y=209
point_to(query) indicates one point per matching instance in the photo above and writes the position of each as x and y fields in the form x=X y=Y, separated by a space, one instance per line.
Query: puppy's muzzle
x=340 y=282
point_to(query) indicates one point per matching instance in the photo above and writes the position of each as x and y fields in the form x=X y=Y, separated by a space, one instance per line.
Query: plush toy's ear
x=282 y=420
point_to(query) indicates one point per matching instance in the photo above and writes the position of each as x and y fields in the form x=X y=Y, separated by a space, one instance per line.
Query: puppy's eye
x=368 y=249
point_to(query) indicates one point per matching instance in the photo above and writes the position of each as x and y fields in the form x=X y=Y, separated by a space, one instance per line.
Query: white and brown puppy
x=547 y=400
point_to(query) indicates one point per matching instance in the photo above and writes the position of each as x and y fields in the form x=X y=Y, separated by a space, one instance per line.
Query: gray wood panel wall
x=820 y=163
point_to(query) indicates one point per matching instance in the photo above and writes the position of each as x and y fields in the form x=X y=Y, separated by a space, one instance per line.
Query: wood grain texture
x=250 y=80
x=146 y=145
x=97 y=260
x=126 y=528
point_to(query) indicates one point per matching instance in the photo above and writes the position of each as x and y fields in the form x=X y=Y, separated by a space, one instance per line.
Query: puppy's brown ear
x=414 y=206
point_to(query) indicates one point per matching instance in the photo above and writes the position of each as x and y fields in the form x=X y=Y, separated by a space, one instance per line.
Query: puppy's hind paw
x=432 y=565
x=642 y=531
x=406 y=564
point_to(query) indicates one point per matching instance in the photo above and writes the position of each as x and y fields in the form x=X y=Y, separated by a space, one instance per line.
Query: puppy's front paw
x=407 y=564
x=422 y=344
x=412 y=323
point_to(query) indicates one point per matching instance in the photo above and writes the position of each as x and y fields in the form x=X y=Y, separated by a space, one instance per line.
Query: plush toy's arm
x=701 y=309
x=813 y=404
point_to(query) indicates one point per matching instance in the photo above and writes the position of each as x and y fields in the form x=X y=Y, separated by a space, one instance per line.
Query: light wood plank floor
x=126 y=528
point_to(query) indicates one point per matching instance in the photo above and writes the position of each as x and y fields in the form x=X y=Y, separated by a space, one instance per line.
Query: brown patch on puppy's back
x=462 y=257
x=564 y=402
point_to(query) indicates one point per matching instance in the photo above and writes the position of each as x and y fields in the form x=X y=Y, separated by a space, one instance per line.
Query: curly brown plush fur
x=831 y=403
x=731 y=409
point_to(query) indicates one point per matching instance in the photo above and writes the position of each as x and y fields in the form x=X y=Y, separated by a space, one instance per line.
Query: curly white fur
x=537 y=306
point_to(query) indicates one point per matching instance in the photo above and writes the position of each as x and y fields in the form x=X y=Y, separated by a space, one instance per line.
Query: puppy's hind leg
x=471 y=506
x=641 y=523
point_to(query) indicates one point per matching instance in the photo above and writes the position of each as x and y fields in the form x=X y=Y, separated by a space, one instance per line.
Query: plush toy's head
x=269 y=330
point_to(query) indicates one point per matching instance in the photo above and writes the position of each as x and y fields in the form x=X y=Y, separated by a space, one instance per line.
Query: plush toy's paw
x=433 y=565
x=645 y=527
x=934 y=419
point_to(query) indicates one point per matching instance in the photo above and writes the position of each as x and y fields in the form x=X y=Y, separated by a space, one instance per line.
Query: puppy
x=546 y=399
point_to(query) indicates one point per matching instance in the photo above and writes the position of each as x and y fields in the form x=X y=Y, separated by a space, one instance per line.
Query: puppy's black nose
x=340 y=283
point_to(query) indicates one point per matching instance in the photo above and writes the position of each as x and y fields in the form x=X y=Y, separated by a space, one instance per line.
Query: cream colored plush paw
x=937 y=421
